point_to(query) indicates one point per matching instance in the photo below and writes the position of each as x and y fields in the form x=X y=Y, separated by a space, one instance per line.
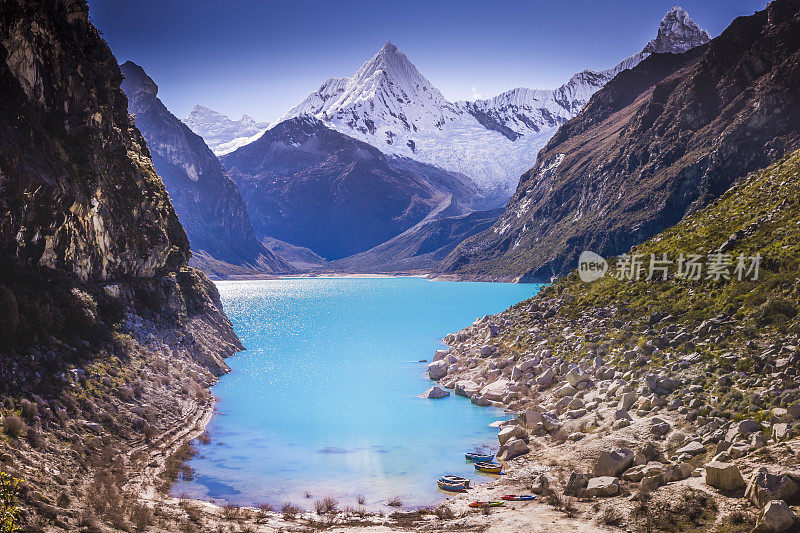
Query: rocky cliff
x=107 y=339
x=209 y=205
x=658 y=142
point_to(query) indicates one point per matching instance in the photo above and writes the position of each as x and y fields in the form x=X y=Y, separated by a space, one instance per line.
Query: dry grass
x=395 y=502
x=290 y=511
x=325 y=506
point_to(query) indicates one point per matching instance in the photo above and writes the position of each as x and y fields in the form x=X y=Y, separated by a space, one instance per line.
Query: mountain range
x=391 y=105
x=206 y=200
x=657 y=142
x=428 y=159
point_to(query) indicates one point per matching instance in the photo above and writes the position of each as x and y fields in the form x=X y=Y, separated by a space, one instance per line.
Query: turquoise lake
x=323 y=399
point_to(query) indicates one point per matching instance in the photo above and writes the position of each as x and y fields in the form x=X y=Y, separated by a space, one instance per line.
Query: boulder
x=434 y=393
x=693 y=448
x=723 y=476
x=511 y=449
x=466 y=388
x=531 y=419
x=512 y=432
x=550 y=422
x=764 y=487
x=497 y=390
x=540 y=484
x=576 y=484
x=776 y=517
x=622 y=414
x=613 y=462
x=627 y=400
x=576 y=375
x=478 y=399
x=488 y=350
x=437 y=369
x=546 y=379
x=602 y=486
x=440 y=354
x=745 y=427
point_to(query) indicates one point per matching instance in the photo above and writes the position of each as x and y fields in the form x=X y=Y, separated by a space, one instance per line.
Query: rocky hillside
x=107 y=339
x=314 y=187
x=658 y=142
x=680 y=392
x=207 y=202
x=421 y=247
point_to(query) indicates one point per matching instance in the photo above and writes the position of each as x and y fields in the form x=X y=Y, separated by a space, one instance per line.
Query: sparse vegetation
x=325 y=505
x=9 y=504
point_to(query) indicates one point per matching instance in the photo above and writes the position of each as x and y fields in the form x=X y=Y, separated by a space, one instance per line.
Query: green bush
x=9 y=507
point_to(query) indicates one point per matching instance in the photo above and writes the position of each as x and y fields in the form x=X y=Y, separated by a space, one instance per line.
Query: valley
x=212 y=324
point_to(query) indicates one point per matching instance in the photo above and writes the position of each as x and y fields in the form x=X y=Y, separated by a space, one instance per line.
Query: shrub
x=141 y=516
x=29 y=410
x=9 y=509
x=289 y=511
x=13 y=426
x=395 y=502
x=325 y=505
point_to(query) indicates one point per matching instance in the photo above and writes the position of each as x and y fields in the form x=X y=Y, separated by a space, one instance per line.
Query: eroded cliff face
x=79 y=191
x=659 y=141
x=85 y=221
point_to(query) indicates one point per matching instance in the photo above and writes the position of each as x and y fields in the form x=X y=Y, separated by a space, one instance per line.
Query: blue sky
x=261 y=57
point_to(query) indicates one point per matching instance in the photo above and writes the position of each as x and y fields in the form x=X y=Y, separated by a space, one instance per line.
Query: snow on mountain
x=222 y=134
x=391 y=105
x=524 y=112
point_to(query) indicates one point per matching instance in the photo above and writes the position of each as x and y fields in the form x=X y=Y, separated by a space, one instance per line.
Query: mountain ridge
x=391 y=105
x=659 y=141
x=207 y=201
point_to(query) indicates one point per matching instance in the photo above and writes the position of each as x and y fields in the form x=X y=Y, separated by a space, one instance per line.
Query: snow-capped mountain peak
x=222 y=134
x=387 y=88
x=391 y=105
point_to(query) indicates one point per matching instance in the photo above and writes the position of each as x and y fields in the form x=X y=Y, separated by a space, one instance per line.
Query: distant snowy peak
x=523 y=111
x=222 y=134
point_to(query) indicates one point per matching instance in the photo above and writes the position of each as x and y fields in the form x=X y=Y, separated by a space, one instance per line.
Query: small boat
x=451 y=487
x=464 y=482
x=479 y=457
x=518 y=497
x=489 y=468
x=486 y=504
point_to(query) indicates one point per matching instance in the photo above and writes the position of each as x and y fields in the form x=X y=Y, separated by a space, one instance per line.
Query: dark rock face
x=311 y=186
x=78 y=190
x=207 y=201
x=87 y=230
x=659 y=141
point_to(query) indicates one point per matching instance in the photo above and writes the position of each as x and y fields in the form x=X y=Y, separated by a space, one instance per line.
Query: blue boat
x=450 y=487
x=479 y=457
x=455 y=480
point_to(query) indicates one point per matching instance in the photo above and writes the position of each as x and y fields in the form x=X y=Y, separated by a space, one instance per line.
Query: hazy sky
x=261 y=57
